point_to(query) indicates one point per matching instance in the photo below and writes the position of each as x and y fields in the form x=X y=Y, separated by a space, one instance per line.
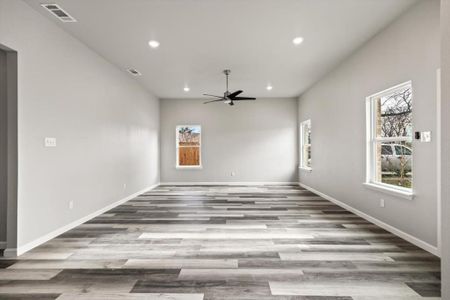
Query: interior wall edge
x=445 y=146
x=12 y=151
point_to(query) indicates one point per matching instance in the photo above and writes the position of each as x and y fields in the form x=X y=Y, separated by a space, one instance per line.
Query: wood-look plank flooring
x=224 y=242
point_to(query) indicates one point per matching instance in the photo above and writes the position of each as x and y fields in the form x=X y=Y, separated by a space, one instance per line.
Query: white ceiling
x=200 y=38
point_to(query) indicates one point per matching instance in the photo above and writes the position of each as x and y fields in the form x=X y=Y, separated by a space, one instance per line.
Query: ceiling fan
x=228 y=98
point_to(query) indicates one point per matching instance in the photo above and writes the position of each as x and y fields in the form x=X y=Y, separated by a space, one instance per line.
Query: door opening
x=8 y=151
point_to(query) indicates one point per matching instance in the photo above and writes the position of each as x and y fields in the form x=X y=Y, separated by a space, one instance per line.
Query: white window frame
x=200 y=166
x=304 y=160
x=372 y=141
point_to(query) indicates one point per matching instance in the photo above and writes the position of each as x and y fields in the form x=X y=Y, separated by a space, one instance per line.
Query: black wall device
x=417 y=135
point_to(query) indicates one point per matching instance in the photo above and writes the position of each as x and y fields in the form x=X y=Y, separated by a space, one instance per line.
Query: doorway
x=3 y=149
x=8 y=151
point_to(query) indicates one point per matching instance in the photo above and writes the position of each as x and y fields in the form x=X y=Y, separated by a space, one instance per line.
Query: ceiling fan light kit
x=228 y=98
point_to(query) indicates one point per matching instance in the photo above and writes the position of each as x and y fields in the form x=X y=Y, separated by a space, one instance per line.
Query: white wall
x=406 y=50
x=257 y=140
x=445 y=145
x=106 y=125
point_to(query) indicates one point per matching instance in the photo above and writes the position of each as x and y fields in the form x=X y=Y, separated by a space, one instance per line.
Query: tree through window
x=390 y=140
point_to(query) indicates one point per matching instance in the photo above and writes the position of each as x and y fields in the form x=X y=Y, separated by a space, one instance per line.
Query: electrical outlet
x=382 y=204
x=233 y=173
x=124 y=186
x=50 y=142
x=71 y=204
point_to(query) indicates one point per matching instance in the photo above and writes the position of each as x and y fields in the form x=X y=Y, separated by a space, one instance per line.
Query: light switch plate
x=50 y=142
x=425 y=136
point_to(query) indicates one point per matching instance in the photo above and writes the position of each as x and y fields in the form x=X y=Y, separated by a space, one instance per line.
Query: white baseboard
x=10 y=252
x=229 y=183
x=406 y=236
x=39 y=241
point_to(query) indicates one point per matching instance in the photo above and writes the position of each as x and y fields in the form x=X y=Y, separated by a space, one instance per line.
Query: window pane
x=189 y=156
x=402 y=150
x=189 y=135
x=394 y=114
x=386 y=149
x=394 y=169
x=407 y=151
x=188 y=145
x=307 y=156
x=306 y=144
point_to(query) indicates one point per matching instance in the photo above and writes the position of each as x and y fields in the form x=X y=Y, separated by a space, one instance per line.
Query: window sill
x=305 y=169
x=402 y=193
x=189 y=167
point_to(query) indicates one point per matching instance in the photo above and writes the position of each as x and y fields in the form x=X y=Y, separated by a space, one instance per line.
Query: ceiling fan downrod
x=227 y=72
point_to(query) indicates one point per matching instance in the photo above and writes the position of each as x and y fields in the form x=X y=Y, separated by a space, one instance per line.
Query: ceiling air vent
x=58 y=12
x=134 y=72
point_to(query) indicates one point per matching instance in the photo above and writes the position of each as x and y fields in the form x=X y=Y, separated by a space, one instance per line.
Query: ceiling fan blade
x=212 y=96
x=243 y=98
x=232 y=95
x=217 y=100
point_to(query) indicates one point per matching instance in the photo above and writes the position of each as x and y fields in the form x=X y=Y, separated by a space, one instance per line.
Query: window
x=305 y=145
x=188 y=146
x=389 y=136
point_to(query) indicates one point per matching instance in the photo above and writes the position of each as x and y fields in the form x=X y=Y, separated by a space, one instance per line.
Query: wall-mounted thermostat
x=50 y=142
x=425 y=136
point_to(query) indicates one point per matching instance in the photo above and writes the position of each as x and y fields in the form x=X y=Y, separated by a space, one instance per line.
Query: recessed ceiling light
x=186 y=89
x=298 y=40
x=153 y=44
x=269 y=87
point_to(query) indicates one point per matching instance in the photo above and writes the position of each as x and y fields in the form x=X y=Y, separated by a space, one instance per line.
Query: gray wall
x=407 y=50
x=106 y=125
x=445 y=146
x=8 y=142
x=12 y=151
x=257 y=140
x=3 y=146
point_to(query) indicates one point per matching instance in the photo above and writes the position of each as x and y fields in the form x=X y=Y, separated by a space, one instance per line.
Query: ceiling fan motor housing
x=228 y=98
